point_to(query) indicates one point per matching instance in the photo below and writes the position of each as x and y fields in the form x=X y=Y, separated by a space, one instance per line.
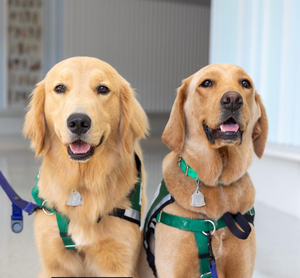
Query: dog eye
x=246 y=84
x=206 y=83
x=103 y=90
x=60 y=89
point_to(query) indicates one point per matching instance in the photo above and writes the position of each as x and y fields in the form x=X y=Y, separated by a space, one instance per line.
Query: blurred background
x=155 y=44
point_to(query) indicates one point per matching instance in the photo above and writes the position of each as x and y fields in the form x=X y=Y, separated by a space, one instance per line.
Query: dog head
x=219 y=104
x=82 y=106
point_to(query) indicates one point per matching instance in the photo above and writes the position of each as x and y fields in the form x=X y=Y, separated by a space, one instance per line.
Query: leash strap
x=230 y=220
x=18 y=205
x=28 y=207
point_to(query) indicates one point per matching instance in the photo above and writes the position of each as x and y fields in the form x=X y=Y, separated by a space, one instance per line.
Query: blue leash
x=18 y=205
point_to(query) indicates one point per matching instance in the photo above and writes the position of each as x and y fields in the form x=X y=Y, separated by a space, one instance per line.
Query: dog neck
x=94 y=180
x=239 y=196
x=226 y=164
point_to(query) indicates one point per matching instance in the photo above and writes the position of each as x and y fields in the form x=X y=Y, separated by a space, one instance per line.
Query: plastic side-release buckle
x=16 y=219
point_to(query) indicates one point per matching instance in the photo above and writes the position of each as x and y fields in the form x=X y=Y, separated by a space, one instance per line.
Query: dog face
x=219 y=103
x=83 y=104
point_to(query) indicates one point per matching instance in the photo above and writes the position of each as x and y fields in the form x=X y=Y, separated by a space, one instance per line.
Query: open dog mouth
x=81 y=151
x=229 y=131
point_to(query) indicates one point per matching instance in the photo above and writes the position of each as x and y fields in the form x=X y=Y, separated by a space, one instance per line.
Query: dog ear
x=260 y=130
x=134 y=122
x=174 y=133
x=35 y=125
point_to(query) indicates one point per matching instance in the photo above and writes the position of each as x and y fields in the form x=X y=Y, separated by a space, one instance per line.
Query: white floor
x=277 y=233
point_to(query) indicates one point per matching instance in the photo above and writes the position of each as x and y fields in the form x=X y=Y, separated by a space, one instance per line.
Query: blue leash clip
x=213 y=270
x=18 y=205
x=16 y=219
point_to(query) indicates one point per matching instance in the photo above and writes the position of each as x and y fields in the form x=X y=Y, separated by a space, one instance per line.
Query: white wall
x=262 y=36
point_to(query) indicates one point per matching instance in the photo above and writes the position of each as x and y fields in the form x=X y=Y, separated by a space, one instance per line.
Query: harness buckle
x=214 y=227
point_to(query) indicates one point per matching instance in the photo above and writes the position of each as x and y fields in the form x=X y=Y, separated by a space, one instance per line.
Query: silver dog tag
x=197 y=197
x=74 y=199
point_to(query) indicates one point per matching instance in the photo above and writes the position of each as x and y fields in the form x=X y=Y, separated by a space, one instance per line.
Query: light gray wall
x=153 y=44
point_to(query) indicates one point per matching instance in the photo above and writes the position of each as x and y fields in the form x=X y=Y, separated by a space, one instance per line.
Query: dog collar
x=188 y=171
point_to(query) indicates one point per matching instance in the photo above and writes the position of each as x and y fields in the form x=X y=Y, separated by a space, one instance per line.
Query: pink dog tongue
x=79 y=147
x=229 y=127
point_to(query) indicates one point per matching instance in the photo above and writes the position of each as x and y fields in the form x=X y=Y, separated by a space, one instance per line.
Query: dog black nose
x=79 y=123
x=232 y=101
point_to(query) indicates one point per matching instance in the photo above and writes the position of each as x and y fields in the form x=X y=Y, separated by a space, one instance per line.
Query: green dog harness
x=203 y=229
x=133 y=214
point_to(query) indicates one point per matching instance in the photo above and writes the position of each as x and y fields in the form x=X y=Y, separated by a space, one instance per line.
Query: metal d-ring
x=214 y=225
x=44 y=210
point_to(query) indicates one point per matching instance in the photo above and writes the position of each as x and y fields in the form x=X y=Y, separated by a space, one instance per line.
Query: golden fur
x=109 y=248
x=225 y=161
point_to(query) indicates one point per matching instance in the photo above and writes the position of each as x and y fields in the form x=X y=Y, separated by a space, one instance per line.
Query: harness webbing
x=161 y=199
x=202 y=229
x=132 y=214
x=63 y=224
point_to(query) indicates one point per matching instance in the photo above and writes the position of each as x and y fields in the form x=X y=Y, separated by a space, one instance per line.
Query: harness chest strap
x=132 y=214
x=202 y=228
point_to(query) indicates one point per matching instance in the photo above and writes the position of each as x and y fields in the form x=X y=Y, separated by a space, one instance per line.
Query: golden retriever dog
x=85 y=121
x=216 y=123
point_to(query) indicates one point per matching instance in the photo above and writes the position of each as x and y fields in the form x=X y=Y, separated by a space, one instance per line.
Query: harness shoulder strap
x=133 y=214
x=161 y=199
x=63 y=225
x=203 y=229
x=62 y=220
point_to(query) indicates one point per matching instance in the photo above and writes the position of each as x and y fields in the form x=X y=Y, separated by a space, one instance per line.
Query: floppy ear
x=134 y=122
x=174 y=133
x=260 y=130
x=35 y=125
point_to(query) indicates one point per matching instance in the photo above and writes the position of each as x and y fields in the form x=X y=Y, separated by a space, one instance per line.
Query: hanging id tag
x=74 y=199
x=197 y=197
